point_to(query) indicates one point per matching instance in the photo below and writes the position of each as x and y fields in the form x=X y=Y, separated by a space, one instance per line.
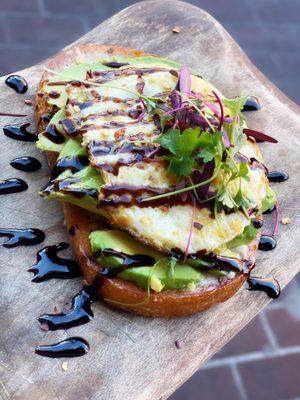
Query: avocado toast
x=162 y=184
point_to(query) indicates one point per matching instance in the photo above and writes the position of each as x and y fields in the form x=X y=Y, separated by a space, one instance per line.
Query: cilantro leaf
x=226 y=199
x=206 y=155
x=212 y=146
x=242 y=200
x=242 y=172
x=180 y=167
x=235 y=105
x=181 y=146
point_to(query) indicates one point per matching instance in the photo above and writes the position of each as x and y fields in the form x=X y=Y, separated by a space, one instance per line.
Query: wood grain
x=133 y=357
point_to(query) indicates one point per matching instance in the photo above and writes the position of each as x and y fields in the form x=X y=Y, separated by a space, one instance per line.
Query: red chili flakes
x=94 y=93
x=164 y=208
x=55 y=310
x=119 y=133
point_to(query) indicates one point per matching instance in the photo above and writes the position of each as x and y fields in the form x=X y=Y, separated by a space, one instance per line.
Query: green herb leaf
x=235 y=105
x=212 y=146
x=226 y=199
x=241 y=200
x=171 y=265
x=181 y=146
x=242 y=172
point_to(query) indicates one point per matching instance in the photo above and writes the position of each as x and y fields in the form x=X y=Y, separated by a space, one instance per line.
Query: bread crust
x=116 y=292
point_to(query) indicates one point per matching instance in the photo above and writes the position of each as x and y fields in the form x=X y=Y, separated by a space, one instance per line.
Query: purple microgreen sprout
x=259 y=136
x=186 y=98
x=188 y=243
x=185 y=80
x=276 y=222
x=226 y=140
x=207 y=172
x=221 y=118
x=186 y=189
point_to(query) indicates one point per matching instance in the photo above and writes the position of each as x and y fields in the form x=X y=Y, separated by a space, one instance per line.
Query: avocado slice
x=72 y=147
x=269 y=201
x=78 y=72
x=45 y=144
x=74 y=72
x=249 y=234
x=88 y=178
x=119 y=241
x=184 y=276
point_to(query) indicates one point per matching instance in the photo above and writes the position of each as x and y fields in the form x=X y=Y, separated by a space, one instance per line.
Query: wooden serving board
x=135 y=358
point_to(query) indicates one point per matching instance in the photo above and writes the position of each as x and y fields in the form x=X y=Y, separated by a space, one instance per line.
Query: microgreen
x=181 y=146
x=225 y=198
x=184 y=80
x=241 y=200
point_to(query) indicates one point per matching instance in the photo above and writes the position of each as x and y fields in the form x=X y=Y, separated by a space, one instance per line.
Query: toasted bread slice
x=116 y=292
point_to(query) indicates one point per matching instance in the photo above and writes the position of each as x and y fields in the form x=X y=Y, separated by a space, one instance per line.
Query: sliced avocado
x=269 y=201
x=86 y=202
x=119 y=241
x=184 y=277
x=147 y=60
x=245 y=238
x=78 y=72
x=72 y=147
x=74 y=72
x=45 y=144
x=89 y=178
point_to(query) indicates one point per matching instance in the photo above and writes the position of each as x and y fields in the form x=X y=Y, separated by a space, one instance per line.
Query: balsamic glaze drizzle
x=71 y=347
x=26 y=164
x=129 y=261
x=74 y=164
x=4 y=114
x=257 y=223
x=269 y=210
x=252 y=104
x=12 y=185
x=278 y=176
x=268 y=285
x=73 y=230
x=114 y=64
x=267 y=243
x=49 y=265
x=53 y=134
x=18 y=83
x=22 y=237
x=19 y=133
x=79 y=314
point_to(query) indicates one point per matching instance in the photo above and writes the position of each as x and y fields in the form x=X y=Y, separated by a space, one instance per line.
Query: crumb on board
x=64 y=366
x=28 y=102
x=177 y=344
x=176 y=29
x=286 y=221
